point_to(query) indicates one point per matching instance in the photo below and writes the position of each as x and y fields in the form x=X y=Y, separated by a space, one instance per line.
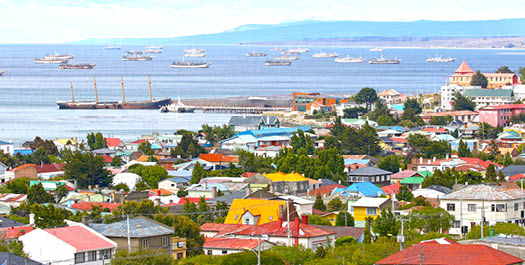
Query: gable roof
x=14 y=232
x=5 y=143
x=464 y=68
x=483 y=192
x=324 y=190
x=218 y=158
x=80 y=238
x=391 y=189
x=368 y=171
x=480 y=92
x=404 y=174
x=113 y=142
x=87 y=206
x=267 y=210
x=366 y=188
x=230 y=243
x=274 y=229
x=46 y=168
x=12 y=259
x=513 y=170
x=340 y=231
x=139 y=227
x=280 y=176
x=412 y=180
x=245 y=120
x=370 y=202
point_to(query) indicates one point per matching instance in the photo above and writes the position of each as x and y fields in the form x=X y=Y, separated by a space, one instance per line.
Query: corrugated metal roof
x=479 y=92
x=484 y=192
x=139 y=227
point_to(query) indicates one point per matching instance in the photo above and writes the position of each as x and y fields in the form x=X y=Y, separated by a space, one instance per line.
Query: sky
x=57 y=21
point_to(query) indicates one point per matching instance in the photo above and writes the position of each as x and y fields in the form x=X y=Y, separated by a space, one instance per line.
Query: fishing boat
x=152 y=51
x=47 y=60
x=290 y=53
x=154 y=47
x=136 y=57
x=77 y=66
x=299 y=50
x=177 y=107
x=255 y=54
x=439 y=59
x=349 y=59
x=287 y=57
x=193 y=50
x=111 y=48
x=377 y=50
x=195 y=54
x=383 y=60
x=277 y=63
x=140 y=104
x=189 y=64
x=60 y=56
x=325 y=55
x=277 y=49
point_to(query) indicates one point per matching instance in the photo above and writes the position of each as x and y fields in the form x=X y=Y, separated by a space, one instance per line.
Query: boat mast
x=122 y=86
x=72 y=95
x=149 y=84
x=96 y=93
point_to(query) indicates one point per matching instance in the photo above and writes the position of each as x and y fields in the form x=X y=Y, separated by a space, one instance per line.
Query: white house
x=7 y=147
x=225 y=246
x=77 y=244
x=3 y=169
x=130 y=179
x=496 y=204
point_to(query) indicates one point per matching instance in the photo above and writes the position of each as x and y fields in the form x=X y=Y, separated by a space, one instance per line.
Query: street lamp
x=258 y=252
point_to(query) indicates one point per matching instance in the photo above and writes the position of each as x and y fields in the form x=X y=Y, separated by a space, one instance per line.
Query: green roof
x=426 y=173
x=478 y=92
x=412 y=180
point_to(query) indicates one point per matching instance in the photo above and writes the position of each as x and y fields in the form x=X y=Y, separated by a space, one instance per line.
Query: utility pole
x=482 y=217
x=288 y=219
x=461 y=212
x=129 y=238
x=402 y=238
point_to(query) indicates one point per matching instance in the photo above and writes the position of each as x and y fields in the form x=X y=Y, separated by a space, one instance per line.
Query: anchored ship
x=287 y=57
x=195 y=54
x=290 y=53
x=278 y=63
x=77 y=66
x=48 y=60
x=193 y=50
x=111 y=48
x=255 y=54
x=439 y=59
x=154 y=47
x=299 y=50
x=141 y=104
x=349 y=59
x=178 y=107
x=325 y=55
x=136 y=56
x=188 y=64
x=377 y=50
x=382 y=60
x=152 y=51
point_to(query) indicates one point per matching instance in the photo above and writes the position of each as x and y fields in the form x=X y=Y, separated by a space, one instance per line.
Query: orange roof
x=86 y=206
x=464 y=69
x=144 y=158
x=327 y=189
x=160 y=192
x=230 y=243
x=23 y=166
x=217 y=158
x=14 y=232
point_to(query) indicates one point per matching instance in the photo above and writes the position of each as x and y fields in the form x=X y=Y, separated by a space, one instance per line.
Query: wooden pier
x=243 y=110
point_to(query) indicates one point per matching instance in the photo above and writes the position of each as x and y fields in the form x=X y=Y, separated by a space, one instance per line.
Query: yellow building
x=280 y=176
x=178 y=247
x=253 y=211
x=368 y=207
x=330 y=217
x=463 y=77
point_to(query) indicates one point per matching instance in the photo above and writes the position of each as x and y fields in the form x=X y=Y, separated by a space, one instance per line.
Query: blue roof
x=23 y=151
x=366 y=188
x=180 y=179
x=139 y=227
x=350 y=161
x=398 y=107
x=274 y=131
x=384 y=128
x=4 y=142
x=180 y=173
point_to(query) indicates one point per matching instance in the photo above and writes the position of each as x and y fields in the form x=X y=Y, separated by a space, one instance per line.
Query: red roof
x=248 y=174
x=230 y=243
x=464 y=68
x=14 y=232
x=160 y=192
x=46 y=168
x=139 y=141
x=113 y=142
x=216 y=158
x=432 y=129
x=399 y=139
x=327 y=189
x=404 y=174
x=80 y=238
x=478 y=162
x=394 y=188
x=318 y=212
x=516 y=177
x=86 y=206
x=274 y=229
x=443 y=254
x=190 y=199
x=355 y=166
x=108 y=159
x=504 y=106
x=23 y=166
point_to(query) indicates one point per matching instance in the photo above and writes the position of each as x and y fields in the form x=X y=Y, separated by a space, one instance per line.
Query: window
x=165 y=241
x=451 y=207
x=80 y=258
x=92 y=256
x=209 y=252
x=247 y=221
x=371 y=211
x=224 y=252
x=144 y=242
x=456 y=224
x=498 y=208
x=516 y=206
x=104 y=254
x=472 y=207
x=180 y=244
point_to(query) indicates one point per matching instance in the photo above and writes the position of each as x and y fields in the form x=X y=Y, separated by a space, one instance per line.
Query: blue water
x=29 y=91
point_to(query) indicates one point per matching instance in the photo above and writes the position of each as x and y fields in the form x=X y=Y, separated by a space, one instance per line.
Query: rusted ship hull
x=145 y=104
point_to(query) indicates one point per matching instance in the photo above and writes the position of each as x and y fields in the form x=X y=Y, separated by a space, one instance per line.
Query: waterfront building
x=251 y=122
x=463 y=77
x=392 y=97
x=302 y=102
x=489 y=97
x=500 y=115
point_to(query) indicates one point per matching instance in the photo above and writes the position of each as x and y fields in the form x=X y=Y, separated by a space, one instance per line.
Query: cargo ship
x=383 y=60
x=325 y=55
x=77 y=66
x=277 y=63
x=139 y=104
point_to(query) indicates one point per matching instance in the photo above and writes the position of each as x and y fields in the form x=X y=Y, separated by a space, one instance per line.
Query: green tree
x=390 y=163
x=188 y=147
x=315 y=219
x=367 y=233
x=15 y=247
x=340 y=219
x=121 y=186
x=405 y=194
x=197 y=174
x=499 y=228
x=60 y=192
x=463 y=103
x=354 y=113
x=37 y=194
x=479 y=80
x=145 y=148
x=186 y=228
x=504 y=69
x=143 y=256
x=490 y=174
x=463 y=150
x=366 y=95
x=486 y=131
x=386 y=224
x=501 y=176
x=301 y=140
x=508 y=160
x=368 y=142
x=334 y=205
x=412 y=104
x=87 y=169
x=46 y=216
x=441 y=120
x=381 y=109
x=385 y=120
x=100 y=141
x=430 y=219
x=319 y=204
x=150 y=174
x=521 y=71
x=91 y=141
x=18 y=186
x=116 y=161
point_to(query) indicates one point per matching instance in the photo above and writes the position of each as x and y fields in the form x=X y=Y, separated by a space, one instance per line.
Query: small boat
x=287 y=57
x=439 y=59
x=60 y=56
x=349 y=59
x=154 y=47
x=134 y=53
x=290 y=53
x=111 y=48
x=77 y=66
x=299 y=50
x=195 y=54
x=276 y=49
x=47 y=60
x=193 y=50
x=325 y=55
x=383 y=60
x=277 y=63
x=137 y=57
x=178 y=107
x=188 y=64
x=377 y=50
x=2 y=72
x=255 y=54
x=152 y=51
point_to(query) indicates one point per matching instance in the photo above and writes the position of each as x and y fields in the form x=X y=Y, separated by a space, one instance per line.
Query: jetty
x=241 y=110
x=241 y=105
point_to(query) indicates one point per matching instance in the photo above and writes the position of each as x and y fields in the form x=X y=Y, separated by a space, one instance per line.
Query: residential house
x=48 y=171
x=413 y=182
x=11 y=230
x=268 y=151
x=392 y=97
x=368 y=207
x=448 y=252
x=499 y=205
x=24 y=171
x=431 y=164
x=174 y=184
x=513 y=170
x=256 y=211
x=489 y=97
x=87 y=206
x=302 y=102
x=464 y=116
x=292 y=183
x=209 y=190
x=7 y=147
x=251 y=140
x=179 y=247
x=12 y=259
x=3 y=168
x=360 y=189
x=114 y=143
x=345 y=231
x=326 y=190
x=130 y=179
x=76 y=244
x=225 y=246
x=12 y=199
x=370 y=174
x=143 y=232
x=302 y=205
x=463 y=77
x=500 y=115
x=397 y=177
x=511 y=244
x=219 y=159
x=251 y=122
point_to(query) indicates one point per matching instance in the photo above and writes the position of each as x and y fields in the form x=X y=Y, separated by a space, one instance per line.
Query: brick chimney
x=304 y=219
x=280 y=220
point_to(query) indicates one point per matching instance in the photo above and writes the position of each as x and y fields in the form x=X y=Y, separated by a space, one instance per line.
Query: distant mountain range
x=315 y=30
